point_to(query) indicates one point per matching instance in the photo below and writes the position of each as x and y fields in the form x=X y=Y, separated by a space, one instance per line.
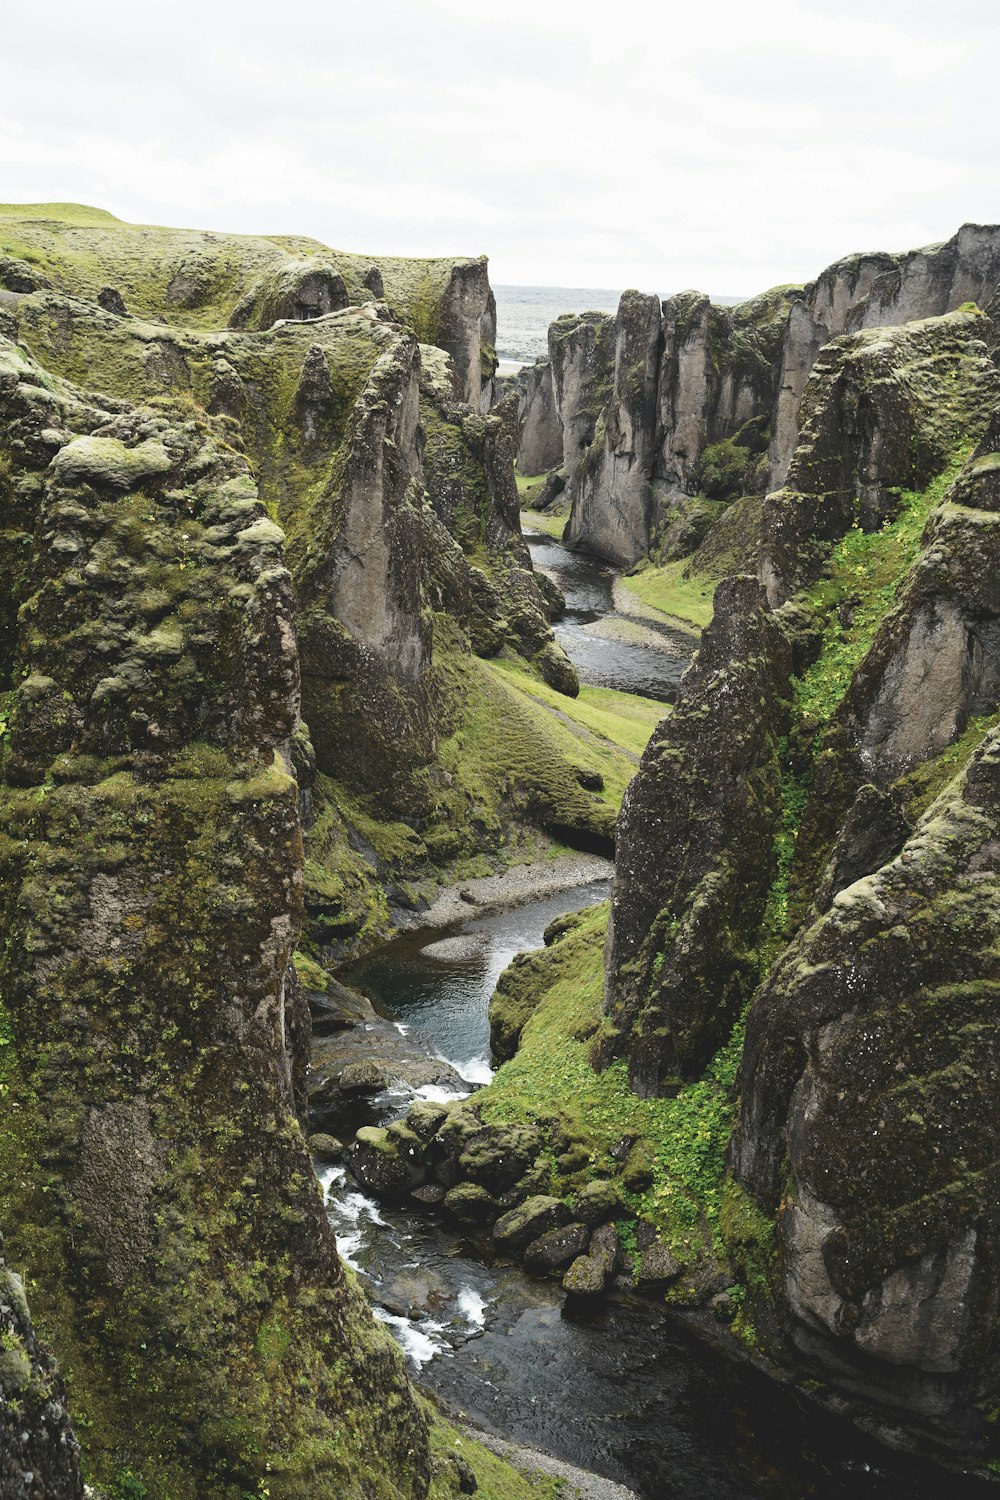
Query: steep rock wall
x=876 y=291
x=696 y=851
x=155 y=1185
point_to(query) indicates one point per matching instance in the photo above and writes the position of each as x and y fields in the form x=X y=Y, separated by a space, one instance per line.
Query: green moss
x=551 y=1081
x=675 y=590
x=495 y=1479
x=866 y=570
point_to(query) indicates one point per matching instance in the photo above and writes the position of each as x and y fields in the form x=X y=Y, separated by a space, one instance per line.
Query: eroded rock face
x=884 y=410
x=540 y=444
x=876 y=291
x=39 y=1453
x=581 y=358
x=296 y=290
x=466 y=329
x=726 y=419
x=870 y=1066
x=612 y=506
x=695 y=850
x=933 y=666
x=150 y=884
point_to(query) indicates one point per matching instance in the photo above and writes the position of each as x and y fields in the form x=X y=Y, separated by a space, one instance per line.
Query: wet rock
x=326 y=1147
x=425 y=1119
x=386 y=1167
x=599 y=1201
x=430 y=1195
x=471 y=1204
x=414 y=1293
x=557 y=1248
x=362 y=1078
x=529 y=1221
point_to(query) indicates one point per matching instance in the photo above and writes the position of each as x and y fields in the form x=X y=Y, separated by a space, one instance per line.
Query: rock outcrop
x=883 y=412
x=729 y=382
x=696 y=840
x=150 y=881
x=869 y=1076
x=39 y=1452
x=202 y=527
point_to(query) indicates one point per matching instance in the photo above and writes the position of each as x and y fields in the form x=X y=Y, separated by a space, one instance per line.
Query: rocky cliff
x=224 y=497
x=714 y=413
x=776 y=1054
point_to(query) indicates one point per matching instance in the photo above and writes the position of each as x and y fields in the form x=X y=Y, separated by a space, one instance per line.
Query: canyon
x=282 y=677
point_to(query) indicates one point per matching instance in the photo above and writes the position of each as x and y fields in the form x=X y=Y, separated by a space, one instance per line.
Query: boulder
x=529 y=1221
x=557 y=1247
x=386 y=1167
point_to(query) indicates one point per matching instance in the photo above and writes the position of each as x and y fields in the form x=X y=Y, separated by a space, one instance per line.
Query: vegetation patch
x=666 y=1154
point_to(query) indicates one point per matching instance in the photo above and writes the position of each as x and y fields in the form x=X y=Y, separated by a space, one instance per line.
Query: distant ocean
x=525 y=312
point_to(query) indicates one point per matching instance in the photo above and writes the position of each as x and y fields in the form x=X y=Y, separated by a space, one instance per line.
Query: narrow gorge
x=498 y=879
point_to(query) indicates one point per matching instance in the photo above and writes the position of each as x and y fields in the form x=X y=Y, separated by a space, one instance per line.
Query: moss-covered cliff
x=204 y=527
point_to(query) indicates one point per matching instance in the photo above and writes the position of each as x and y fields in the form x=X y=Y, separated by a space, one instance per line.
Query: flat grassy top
x=551 y=1079
x=668 y=589
x=549 y=522
x=82 y=249
x=625 y=719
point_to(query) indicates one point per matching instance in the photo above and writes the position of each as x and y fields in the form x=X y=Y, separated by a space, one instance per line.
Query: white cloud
x=722 y=145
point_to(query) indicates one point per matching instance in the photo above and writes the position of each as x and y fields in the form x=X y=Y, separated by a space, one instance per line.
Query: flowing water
x=626 y=1390
x=588 y=588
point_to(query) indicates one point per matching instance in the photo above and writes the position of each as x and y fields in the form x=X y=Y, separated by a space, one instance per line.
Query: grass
x=496 y=1479
x=669 y=589
x=551 y=1079
x=868 y=567
x=624 y=719
x=545 y=521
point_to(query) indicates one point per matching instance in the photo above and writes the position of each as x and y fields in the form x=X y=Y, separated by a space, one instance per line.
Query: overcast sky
x=723 y=145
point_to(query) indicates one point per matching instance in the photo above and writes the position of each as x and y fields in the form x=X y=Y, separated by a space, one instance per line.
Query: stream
x=628 y=1390
x=602 y=660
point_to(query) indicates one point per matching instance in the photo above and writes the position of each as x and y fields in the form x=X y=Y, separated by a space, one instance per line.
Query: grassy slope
x=680 y=1141
x=669 y=588
x=82 y=249
x=550 y=523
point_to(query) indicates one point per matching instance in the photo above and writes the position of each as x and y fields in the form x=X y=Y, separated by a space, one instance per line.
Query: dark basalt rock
x=529 y=1221
x=557 y=1248
x=39 y=1452
x=696 y=850
x=870 y=1068
x=111 y=299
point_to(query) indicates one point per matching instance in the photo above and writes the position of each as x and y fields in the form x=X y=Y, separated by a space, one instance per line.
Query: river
x=630 y=1391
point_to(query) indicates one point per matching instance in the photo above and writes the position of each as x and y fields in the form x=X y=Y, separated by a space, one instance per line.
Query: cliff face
x=839 y=767
x=204 y=529
x=729 y=386
x=876 y=291
x=156 y=1187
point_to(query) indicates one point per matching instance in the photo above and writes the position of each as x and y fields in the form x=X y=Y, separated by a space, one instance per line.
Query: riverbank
x=503 y=892
x=579 y=1484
